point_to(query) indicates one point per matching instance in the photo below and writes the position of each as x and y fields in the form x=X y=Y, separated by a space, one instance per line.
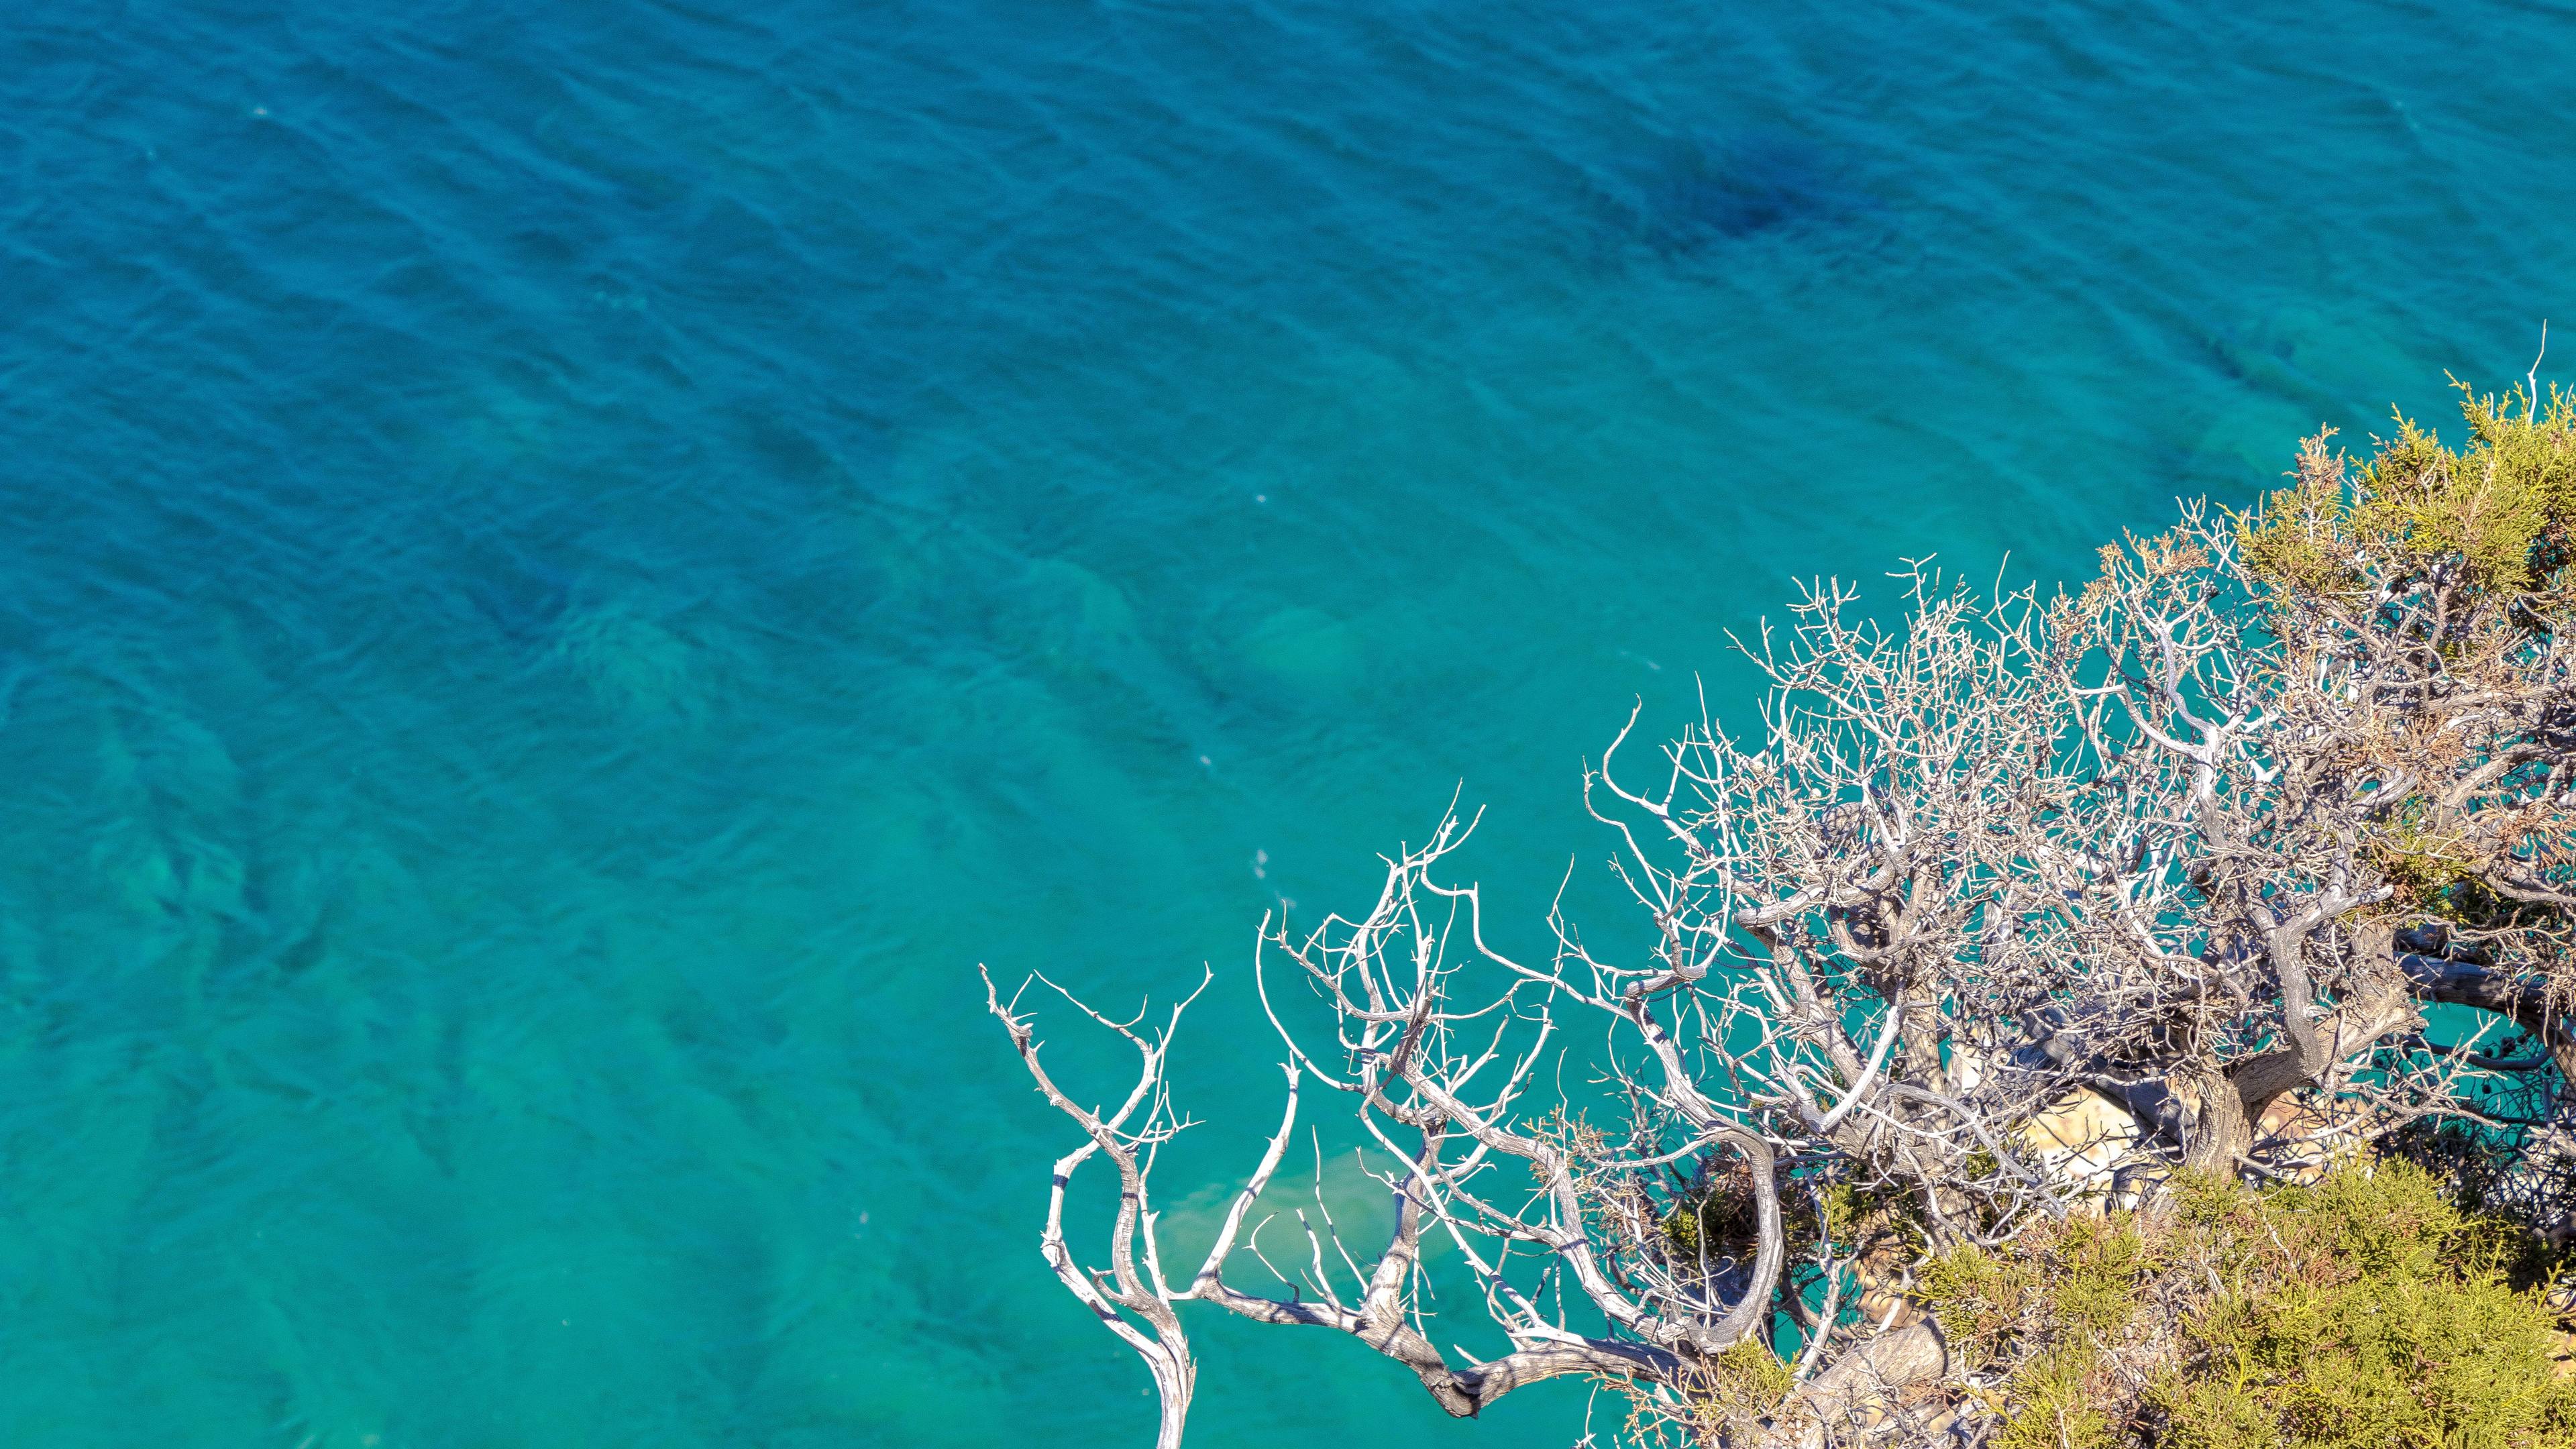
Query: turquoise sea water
x=569 y=571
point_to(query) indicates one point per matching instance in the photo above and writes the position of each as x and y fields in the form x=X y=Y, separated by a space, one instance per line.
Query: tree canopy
x=2132 y=1015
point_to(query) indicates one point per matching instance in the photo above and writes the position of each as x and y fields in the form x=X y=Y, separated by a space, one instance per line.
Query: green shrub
x=2501 y=504
x=2369 y=1312
x=2364 y=1312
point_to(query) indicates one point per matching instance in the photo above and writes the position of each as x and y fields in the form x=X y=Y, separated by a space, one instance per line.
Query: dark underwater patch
x=521 y=596
x=1690 y=195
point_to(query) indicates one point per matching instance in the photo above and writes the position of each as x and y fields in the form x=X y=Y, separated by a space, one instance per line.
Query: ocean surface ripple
x=571 y=570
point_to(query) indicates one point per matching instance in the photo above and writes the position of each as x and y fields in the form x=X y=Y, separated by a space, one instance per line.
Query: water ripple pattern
x=570 y=570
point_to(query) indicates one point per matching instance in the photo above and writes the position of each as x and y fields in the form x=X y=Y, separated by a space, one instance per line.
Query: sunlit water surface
x=568 y=574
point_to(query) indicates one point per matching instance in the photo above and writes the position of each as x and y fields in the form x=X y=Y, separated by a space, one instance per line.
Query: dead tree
x=2203 y=840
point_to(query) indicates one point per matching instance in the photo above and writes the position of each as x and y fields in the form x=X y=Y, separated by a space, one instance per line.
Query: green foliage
x=2365 y=1311
x=1842 y=1207
x=2368 y=1312
x=2440 y=875
x=1979 y=1298
x=2420 y=860
x=2103 y=1261
x=1692 y=1228
x=2082 y=1276
x=1876 y=1222
x=2056 y=1408
x=1728 y=1404
x=2502 y=504
x=2475 y=1161
x=1709 y=1219
x=2048 y=1304
x=1751 y=1375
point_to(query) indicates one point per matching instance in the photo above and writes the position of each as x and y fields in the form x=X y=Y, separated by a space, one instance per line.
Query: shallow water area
x=569 y=574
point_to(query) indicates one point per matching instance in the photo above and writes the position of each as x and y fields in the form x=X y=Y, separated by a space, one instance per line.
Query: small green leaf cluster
x=2047 y=1304
x=1751 y=1374
x=1730 y=1401
x=1703 y=1227
x=1711 y=1216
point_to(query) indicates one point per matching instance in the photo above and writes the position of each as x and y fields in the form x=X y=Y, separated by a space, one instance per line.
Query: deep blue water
x=569 y=571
